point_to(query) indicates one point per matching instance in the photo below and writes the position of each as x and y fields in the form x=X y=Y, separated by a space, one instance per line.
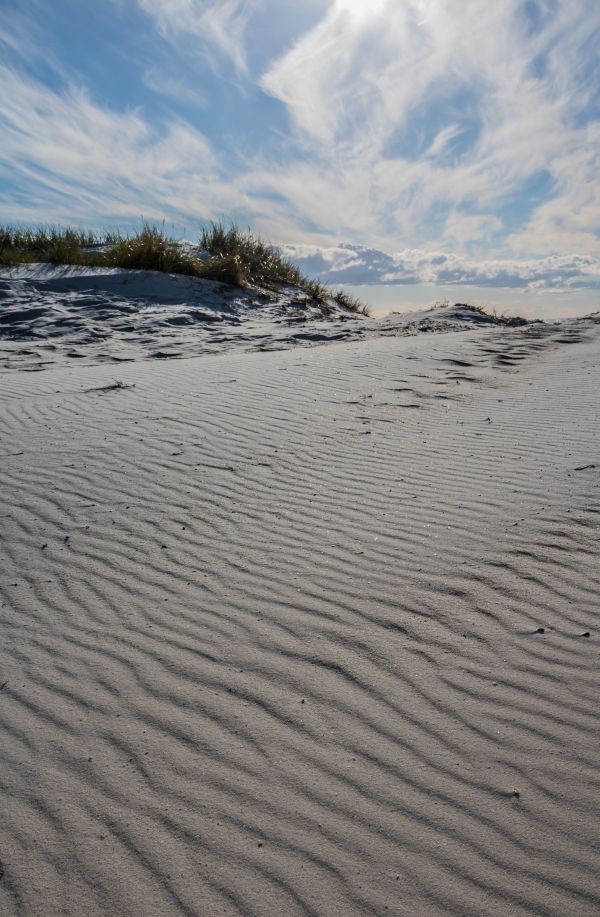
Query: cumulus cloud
x=357 y=264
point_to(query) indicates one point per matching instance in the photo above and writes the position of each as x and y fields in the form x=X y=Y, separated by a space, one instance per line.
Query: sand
x=57 y=316
x=310 y=631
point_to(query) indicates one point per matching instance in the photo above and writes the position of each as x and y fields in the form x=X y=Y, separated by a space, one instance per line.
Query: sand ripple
x=312 y=632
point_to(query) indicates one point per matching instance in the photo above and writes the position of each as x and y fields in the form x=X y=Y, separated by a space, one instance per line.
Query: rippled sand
x=308 y=632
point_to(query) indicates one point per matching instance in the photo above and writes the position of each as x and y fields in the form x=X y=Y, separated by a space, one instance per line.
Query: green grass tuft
x=259 y=262
x=226 y=269
x=44 y=238
x=150 y=250
x=14 y=256
x=44 y=243
x=352 y=303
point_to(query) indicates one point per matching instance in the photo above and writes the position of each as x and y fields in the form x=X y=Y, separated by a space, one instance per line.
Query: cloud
x=66 y=158
x=463 y=131
x=160 y=82
x=357 y=264
x=76 y=158
x=572 y=216
x=217 y=26
x=81 y=161
x=437 y=105
x=465 y=229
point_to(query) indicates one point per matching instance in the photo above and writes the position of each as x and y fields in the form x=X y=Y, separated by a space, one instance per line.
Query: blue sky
x=382 y=141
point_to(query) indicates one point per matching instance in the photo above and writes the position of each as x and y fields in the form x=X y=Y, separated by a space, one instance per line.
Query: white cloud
x=82 y=161
x=162 y=83
x=358 y=265
x=572 y=216
x=218 y=26
x=465 y=229
x=417 y=126
x=354 y=91
x=64 y=158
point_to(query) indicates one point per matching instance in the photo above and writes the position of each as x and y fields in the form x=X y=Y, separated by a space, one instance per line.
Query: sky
x=436 y=144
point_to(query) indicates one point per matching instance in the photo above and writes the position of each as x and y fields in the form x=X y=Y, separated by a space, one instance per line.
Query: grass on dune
x=352 y=303
x=512 y=321
x=261 y=263
x=232 y=256
x=43 y=238
x=150 y=250
x=258 y=261
x=48 y=243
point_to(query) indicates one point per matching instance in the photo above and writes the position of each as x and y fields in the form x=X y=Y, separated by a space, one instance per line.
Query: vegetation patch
x=511 y=321
x=228 y=255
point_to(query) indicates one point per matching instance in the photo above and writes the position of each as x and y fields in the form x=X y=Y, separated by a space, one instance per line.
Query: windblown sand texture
x=311 y=632
x=54 y=316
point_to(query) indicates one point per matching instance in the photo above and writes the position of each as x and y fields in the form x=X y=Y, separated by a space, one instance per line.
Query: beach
x=300 y=630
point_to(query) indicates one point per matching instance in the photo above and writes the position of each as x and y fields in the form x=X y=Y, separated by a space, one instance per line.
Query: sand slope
x=303 y=632
x=59 y=315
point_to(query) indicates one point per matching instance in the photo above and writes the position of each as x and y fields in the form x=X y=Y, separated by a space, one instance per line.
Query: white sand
x=269 y=627
x=55 y=316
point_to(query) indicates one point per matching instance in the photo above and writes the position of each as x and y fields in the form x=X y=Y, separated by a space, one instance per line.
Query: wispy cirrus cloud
x=164 y=84
x=217 y=27
x=84 y=161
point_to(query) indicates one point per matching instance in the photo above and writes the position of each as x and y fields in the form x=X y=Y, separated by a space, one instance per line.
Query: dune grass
x=513 y=321
x=48 y=243
x=261 y=263
x=258 y=261
x=231 y=256
x=43 y=238
x=352 y=303
x=150 y=250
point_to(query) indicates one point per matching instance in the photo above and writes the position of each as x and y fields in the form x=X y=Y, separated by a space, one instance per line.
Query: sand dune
x=304 y=632
x=60 y=315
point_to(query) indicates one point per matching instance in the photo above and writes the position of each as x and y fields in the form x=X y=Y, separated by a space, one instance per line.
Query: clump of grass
x=225 y=269
x=44 y=238
x=480 y=310
x=69 y=250
x=44 y=243
x=259 y=262
x=151 y=250
x=12 y=256
x=352 y=303
x=317 y=291
x=511 y=321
